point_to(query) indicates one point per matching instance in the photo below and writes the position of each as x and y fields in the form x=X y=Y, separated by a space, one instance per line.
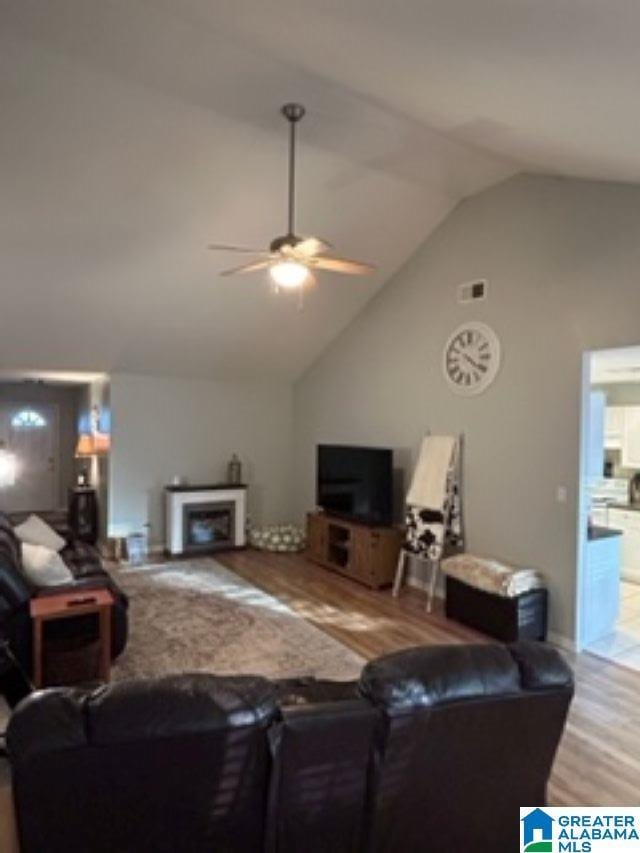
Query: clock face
x=471 y=358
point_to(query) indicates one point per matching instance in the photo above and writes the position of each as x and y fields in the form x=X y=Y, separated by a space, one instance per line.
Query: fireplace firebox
x=201 y=519
x=208 y=526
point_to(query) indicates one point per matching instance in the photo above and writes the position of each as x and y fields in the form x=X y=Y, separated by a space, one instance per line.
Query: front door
x=30 y=431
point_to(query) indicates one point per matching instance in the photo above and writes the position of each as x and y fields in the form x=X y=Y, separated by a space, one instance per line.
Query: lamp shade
x=84 y=447
x=93 y=444
x=101 y=443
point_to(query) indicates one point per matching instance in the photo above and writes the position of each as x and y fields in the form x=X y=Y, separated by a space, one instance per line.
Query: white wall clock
x=471 y=358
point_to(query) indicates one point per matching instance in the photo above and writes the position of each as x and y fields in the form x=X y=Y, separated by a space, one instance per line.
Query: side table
x=68 y=605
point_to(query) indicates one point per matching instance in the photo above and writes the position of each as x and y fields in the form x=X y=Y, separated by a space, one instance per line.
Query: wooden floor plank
x=598 y=762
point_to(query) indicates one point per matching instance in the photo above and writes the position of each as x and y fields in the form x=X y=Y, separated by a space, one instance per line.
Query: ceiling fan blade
x=223 y=247
x=254 y=265
x=311 y=246
x=343 y=265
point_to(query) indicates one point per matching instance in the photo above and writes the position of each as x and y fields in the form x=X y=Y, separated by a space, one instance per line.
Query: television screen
x=355 y=482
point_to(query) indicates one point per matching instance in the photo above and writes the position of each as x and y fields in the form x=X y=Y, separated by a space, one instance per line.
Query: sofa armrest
x=541 y=666
x=88 y=583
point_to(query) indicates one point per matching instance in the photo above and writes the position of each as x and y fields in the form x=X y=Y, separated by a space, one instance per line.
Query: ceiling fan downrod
x=293 y=114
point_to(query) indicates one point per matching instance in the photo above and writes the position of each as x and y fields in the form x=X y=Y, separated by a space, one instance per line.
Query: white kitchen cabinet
x=631 y=437
x=614 y=427
x=628 y=521
x=601 y=589
x=600 y=516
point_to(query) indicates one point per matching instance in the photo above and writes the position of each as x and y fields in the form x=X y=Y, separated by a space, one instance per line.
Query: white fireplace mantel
x=178 y=497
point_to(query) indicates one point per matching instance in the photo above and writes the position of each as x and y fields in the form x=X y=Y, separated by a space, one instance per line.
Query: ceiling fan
x=290 y=259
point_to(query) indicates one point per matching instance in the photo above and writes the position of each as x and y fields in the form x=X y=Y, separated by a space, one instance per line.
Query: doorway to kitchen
x=609 y=528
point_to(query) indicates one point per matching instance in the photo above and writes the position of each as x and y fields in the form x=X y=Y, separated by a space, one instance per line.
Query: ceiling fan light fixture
x=292 y=260
x=289 y=274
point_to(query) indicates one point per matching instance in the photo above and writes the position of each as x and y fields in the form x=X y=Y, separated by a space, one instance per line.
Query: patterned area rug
x=198 y=616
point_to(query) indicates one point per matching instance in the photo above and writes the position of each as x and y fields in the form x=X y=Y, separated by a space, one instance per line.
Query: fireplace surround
x=204 y=519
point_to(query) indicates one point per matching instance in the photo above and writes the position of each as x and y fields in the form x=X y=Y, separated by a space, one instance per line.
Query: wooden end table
x=66 y=605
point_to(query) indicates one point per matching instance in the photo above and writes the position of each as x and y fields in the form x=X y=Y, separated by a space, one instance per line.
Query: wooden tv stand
x=366 y=554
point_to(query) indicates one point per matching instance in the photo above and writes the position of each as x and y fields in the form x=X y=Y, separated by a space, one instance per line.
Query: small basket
x=71 y=660
x=137 y=548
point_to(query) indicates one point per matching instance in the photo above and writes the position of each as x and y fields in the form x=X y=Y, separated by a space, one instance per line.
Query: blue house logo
x=537 y=832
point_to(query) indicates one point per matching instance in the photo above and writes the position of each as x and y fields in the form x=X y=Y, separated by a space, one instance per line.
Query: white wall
x=563 y=262
x=165 y=426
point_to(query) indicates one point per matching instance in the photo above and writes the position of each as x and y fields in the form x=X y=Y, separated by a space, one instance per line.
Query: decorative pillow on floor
x=277 y=537
x=44 y=566
x=35 y=531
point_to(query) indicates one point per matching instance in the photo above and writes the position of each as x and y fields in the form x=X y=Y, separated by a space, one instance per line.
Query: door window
x=28 y=419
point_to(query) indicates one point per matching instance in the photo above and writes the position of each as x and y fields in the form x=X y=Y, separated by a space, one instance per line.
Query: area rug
x=198 y=616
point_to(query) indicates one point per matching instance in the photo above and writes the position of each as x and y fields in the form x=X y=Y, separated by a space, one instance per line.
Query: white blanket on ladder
x=429 y=485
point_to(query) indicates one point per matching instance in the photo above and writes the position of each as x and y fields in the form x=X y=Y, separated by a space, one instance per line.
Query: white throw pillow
x=35 y=531
x=43 y=566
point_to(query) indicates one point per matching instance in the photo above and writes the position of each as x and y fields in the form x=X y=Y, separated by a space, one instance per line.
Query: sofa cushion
x=35 y=531
x=44 y=566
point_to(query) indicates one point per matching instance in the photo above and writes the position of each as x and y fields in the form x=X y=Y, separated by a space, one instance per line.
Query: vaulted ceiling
x=134 y=133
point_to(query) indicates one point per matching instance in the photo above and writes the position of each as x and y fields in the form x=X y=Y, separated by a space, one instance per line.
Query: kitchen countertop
x=203 y=487
x=596 y=533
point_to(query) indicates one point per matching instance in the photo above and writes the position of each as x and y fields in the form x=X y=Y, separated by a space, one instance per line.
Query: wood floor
x=598 y=762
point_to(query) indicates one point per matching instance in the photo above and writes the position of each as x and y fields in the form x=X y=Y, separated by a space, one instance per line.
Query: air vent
x=472 y=291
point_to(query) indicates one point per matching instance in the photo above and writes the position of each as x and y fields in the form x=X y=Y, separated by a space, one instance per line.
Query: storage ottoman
x=497 y=600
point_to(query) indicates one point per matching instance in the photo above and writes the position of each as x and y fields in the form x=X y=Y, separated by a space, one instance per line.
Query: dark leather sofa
x=433 y=750
x=16 y=591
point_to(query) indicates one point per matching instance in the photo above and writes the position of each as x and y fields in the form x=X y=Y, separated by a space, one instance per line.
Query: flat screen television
x=355 y=482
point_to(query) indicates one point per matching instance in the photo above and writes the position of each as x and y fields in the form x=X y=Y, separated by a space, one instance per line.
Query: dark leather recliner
x=469 y=736
x=433 y=750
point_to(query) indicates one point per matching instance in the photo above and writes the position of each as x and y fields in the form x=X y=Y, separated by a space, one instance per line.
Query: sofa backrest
x=469 y=736
x=322 y=752
x=433 y=750
x=174 y=764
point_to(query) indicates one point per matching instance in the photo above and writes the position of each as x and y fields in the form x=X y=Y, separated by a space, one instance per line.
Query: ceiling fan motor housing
x=293 y=112
x=286 y=240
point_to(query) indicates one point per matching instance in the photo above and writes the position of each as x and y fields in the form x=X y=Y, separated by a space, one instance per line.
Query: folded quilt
x=491 y=575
